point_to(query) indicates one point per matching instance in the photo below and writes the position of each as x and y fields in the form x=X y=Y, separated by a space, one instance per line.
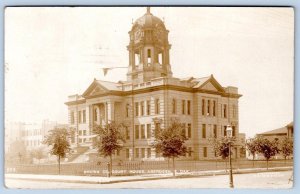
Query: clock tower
x=148 y=49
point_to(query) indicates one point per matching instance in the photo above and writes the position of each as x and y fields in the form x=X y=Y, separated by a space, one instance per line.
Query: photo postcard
x=149 y=97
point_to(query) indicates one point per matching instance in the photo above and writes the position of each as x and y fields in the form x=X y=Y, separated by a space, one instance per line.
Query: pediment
x=209 y=86
x=94 y=89
x=97 y=90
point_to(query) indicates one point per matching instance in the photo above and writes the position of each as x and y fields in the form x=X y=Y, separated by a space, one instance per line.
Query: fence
x=139 y=167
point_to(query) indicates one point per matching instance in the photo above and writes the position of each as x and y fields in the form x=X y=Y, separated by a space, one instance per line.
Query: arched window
x=148 y=56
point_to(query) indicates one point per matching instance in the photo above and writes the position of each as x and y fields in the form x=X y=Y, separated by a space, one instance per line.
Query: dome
x=148 y=21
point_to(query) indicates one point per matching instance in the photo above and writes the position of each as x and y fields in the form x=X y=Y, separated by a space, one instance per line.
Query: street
x=264 y=180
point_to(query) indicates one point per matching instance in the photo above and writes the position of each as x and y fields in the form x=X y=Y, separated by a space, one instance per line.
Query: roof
x=109 y=85
x=200 y=81
x=291 y=124
x=282 y=130
x=105 y=85
x=148 y=20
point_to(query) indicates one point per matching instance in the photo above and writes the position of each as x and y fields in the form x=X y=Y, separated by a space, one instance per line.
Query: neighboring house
x=275 y=134
x=280 y=133
x=152 y=98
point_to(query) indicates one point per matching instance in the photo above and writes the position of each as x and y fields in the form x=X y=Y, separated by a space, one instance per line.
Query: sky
x=51 y=53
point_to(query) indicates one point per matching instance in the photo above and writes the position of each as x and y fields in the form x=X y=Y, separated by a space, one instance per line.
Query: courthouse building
x=152 y=98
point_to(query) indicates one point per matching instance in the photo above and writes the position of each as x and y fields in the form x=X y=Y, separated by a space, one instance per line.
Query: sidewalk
x=117 y=179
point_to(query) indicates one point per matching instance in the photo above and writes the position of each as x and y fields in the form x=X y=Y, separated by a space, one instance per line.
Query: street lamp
x=229 y=135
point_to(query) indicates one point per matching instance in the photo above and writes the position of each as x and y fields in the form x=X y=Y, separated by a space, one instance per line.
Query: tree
x=170 y=142
x=221 y=147
x=17 y=152
x=268 y=149
x=38 y=153
x=214 y=142
x=58 y=140
x=287 y=146
x=110 y=139
x=252 y=146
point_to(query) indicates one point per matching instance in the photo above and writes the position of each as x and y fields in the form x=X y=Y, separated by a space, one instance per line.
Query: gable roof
x=282 y=130
x=201 y=82
x=109 y=85
x=105 y=86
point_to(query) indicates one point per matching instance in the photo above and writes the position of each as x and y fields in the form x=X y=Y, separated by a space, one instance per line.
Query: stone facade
x=151 y=98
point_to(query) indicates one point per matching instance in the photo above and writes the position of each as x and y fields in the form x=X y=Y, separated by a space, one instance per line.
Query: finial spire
x=148 y=10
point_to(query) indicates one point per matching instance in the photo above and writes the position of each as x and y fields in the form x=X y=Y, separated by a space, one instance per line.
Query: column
x=110 y=111
x=89 y=118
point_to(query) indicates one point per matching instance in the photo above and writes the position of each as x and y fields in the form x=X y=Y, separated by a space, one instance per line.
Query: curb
x=203 y=174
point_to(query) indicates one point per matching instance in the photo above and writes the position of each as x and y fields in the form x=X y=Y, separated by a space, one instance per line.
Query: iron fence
x=140 y=167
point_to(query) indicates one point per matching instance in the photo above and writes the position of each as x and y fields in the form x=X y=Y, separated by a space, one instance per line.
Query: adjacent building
x=152 y=98
x=280 y=133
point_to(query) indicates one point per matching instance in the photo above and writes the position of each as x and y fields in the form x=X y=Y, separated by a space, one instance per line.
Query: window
x=214 y=108
x=203 y=106
x=148 y=152
x=127 y=133
x=148 y=131
x=189 y=130
x=142 y=108
x=233 y=131
x=174 y=106
x=189 y=151
x=205 y=152
x=142 y=131
x=118 y=152
x=183 y=107
x=72 y=117
x=157 y=128
x=137 y=154
x=184 y=129
x=233 y=111
x=136 y=109
x=84 y=132
x=137 y=135
x=143 y=153
x=224 y=131
x=84 y=116
x=188 y=107
x=95 y=115
x=137 y=58
x=203 y=131
x=127 y=153
x=160 y=58
x=148 y=55
x=225 y=111
x=157 y=106
x=208 y=108
x=148 y=107
x=79 y=116
x=127 y=110
x=215 y=131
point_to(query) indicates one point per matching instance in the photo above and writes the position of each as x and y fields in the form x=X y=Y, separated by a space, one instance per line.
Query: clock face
x=137 y=35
